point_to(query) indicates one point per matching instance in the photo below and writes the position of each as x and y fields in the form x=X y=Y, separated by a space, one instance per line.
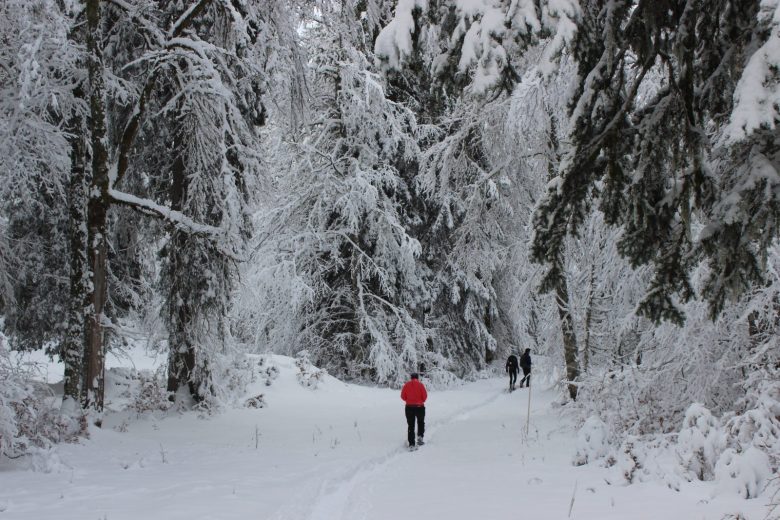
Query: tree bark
x=97 y=209
x=588 y=319
x=181 y=354
x=72 y=352
x=570 y=352
x=569 y=338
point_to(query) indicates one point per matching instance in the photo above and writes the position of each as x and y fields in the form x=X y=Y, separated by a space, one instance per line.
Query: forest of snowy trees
x=396 y=185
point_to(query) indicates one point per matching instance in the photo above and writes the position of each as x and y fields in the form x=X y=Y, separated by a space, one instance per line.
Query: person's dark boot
x=420 y=441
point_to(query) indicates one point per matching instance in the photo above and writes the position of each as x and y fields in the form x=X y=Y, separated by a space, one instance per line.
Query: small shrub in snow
x=700 y=443
x=759 y=424
x=228 y=375
x=629 y=463
x=745 y=473
x=268 y=372
x=308 y=375
x=627 y=401
x=591 y=441
x=754 y=443
x=151 y=396
x=29 y=419
x=257 y=401
x=46 y=460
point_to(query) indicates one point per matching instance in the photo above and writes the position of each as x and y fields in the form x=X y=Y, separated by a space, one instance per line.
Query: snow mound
x=700 y=443
x=745 y=474
x=591 y=441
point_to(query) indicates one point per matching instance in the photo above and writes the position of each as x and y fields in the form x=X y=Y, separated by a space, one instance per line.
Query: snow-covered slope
x=337 y=452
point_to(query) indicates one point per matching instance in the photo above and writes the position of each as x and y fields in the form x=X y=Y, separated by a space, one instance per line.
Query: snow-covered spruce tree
x=419 y=50
x=594 y=300
x=744 y=220
x=654 y=119
x=35 y=100
x=345 y=229
x=202 y=81
x=522 y=141
x=42 y=164
x=87 y=115
x=455 y=64
x=40 y=111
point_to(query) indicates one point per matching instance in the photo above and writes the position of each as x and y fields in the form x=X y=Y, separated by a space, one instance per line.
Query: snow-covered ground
x=337 y=452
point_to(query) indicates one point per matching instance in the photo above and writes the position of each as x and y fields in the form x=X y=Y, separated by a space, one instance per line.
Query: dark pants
x=526 y=377
x=415 y=413
x=512 y=378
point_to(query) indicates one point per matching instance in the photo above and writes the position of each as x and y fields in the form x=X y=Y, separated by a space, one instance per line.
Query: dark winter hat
x=415 y=375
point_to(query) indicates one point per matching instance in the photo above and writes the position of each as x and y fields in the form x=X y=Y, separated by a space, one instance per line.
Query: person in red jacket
x=414 y=395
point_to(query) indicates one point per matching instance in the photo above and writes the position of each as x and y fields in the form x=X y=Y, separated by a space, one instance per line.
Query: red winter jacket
x=414 y=393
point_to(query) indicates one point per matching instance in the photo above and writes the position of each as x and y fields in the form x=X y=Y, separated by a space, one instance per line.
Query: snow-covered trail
x=338 y=452
x=335 y=497
x=392 y=486
x=481 y=464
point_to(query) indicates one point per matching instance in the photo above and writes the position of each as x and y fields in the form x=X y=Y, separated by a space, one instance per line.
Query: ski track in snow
x=334 y=495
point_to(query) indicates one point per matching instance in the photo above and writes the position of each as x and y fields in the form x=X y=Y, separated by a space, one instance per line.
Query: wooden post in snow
x=528 y=415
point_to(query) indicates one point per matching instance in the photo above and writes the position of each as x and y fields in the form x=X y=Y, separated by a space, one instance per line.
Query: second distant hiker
x=525 y=364
x=414 y=395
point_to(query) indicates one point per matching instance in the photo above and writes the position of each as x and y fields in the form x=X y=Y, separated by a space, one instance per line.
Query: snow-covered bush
x=228 y=376
x=627 y=401
x=8 y=429
x=29 y=417
x=629 y=464
x=152 y=395
x=759 y=424
x=592 y=441
x=257 y=401
x=268 y=372
x=700 y=443
x=308 y=375
x=742 y=450
x=224 y=384
x=753 y=437
x=746 y=473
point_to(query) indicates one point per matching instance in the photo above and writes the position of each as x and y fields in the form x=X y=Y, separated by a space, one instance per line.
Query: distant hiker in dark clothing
x=525 y=364
x=414 y=395
x=512 y=368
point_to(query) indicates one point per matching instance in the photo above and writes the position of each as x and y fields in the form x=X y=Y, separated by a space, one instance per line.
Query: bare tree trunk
x=94 y=353
x=570 y=353
x=588 y=320
x=72 y=352
x=181 y=356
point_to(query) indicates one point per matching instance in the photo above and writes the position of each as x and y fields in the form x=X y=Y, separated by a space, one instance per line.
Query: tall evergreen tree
x=657 y=133
x=347 y=230
x=455 y=64
x=203 y=79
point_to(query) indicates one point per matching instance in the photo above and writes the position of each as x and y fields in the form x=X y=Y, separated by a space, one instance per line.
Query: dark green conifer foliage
x=656 y=86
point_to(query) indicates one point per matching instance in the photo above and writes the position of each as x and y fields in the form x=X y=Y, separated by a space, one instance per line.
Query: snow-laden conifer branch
x=174 y=217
